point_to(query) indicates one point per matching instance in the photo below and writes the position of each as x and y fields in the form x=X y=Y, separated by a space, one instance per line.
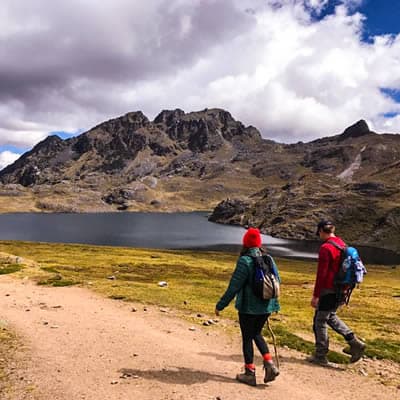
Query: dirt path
x=79 y=346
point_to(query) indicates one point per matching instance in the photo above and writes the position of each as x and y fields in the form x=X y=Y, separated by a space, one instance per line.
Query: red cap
x=252 y=238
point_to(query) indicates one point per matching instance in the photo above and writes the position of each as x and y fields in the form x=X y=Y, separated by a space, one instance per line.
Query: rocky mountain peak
x=169 y=117
x=358 y=129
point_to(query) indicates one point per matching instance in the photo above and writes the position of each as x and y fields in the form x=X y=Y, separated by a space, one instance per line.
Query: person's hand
x=216 y=312
x=314 y=302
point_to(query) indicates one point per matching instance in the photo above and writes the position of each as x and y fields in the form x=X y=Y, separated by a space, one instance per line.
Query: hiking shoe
x=249 y=377
x=271 y=371
x=318 y=360
x=357 y=348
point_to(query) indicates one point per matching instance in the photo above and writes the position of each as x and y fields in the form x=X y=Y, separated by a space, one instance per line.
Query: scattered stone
x=56 y=306
x=114 y=382
x=206 y=323
x=54 y=327
x=363 y=372
x=135 y=354
x=45 y=323
x=144 y=308
x=164 y=310
x=192 y=328
x=185 y=302
x=200 y=315
x=133 y=309
x=162 y=284
x=112 y=277
x=27 y=309
x=7 y=294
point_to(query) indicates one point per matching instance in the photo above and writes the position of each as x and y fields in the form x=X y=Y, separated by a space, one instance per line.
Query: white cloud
x=7 y=157
x=272 y=67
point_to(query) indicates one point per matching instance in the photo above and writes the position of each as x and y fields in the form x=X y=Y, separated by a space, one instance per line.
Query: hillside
x=206 y=159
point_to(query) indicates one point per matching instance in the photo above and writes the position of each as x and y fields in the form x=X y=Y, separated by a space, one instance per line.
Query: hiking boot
x=271 y=371
x=357 y=348
x=346 y=350
x=318 y=360
x=249 y=377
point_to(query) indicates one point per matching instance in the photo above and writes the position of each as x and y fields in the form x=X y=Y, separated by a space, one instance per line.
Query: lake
x=156 y=230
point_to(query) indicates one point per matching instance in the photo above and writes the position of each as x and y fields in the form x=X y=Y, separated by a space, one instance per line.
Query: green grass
x=9 y=268
x=196 y=280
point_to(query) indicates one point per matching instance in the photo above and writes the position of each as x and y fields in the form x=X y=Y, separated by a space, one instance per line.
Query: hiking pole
x=274 y=343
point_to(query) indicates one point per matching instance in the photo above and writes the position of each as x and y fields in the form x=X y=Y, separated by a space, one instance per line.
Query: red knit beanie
x=252 y=238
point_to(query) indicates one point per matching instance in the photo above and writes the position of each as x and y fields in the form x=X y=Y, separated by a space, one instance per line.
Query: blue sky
x=381 y=16
x=334 y=63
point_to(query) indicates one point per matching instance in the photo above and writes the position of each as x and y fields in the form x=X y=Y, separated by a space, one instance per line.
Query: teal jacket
x=240 y=286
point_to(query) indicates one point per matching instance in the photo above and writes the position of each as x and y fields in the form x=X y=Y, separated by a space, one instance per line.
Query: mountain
x=207 y=160
x=176 y=162
x=351 y=178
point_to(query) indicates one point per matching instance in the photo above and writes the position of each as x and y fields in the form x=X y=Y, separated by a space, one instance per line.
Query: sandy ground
x=78 y=345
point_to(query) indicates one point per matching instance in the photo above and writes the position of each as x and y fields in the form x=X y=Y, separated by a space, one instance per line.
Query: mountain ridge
x=198 y=160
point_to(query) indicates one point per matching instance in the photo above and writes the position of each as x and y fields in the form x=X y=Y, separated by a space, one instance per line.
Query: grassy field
x=196 y=280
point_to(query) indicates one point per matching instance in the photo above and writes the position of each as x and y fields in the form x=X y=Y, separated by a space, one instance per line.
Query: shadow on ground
x=176 y=375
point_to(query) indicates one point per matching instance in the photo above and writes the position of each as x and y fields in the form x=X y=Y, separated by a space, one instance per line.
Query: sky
x=295 y=69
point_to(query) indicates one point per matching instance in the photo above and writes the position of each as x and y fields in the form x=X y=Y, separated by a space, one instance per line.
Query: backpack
x=265 y=282
x=351 y=272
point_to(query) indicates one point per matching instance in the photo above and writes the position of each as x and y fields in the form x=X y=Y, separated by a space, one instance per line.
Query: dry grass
x=197 y=279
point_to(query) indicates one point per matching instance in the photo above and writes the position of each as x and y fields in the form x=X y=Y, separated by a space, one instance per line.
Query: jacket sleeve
x=322 y=271
x=238 y=280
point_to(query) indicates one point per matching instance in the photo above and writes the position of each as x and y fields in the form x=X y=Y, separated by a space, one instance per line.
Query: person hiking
x=253 y=311
x=324 y=298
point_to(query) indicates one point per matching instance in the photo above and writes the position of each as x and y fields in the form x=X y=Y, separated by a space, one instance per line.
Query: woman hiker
x=253 y=311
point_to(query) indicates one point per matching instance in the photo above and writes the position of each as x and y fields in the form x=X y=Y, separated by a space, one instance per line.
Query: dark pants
x=251 y=327
x=325 y=316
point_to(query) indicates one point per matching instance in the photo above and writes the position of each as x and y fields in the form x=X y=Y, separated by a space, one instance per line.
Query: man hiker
x=324 y=298
x=253 y=311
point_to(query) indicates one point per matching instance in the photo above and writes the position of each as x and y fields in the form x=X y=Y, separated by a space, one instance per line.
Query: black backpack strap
x=336 y=245
x=259 y=261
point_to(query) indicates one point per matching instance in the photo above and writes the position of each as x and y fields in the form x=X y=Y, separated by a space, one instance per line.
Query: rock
x=133 y=309
x=229 y=211
x=358 y=129
x=112 y=277
x=192 y=328
x=162 y=284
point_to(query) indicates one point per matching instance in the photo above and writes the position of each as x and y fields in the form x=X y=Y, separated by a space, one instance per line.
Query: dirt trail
x=79 y=346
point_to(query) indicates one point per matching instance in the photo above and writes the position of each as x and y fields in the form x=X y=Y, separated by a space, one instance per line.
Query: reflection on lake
x=156 y=230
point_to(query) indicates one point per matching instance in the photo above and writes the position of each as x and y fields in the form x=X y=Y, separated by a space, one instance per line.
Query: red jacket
x=328 y=265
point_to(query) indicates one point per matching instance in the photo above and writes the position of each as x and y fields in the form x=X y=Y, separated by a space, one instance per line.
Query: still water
x=155 y=230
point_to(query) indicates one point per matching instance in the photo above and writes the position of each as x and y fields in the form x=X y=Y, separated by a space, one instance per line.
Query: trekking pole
x=274 y=342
